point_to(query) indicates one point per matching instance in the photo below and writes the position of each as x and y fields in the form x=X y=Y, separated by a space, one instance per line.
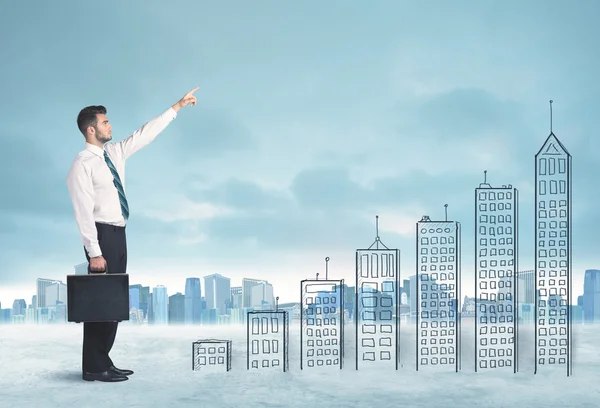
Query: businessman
x=96 y=183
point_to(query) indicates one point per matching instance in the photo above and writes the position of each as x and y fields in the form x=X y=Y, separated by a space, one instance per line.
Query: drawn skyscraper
x=322 y=322
x=267 y=339
x=496 y=245
x=438 y=293
x=377 y=304
x=553 y=254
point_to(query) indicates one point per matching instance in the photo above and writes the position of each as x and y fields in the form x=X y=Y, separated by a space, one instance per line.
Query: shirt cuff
x=171 y=113
x=94 y=251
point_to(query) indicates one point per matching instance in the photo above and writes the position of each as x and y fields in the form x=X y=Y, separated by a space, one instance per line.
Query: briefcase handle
x=100 y=273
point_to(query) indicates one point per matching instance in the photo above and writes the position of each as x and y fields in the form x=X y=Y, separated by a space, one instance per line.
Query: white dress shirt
x=95 y=198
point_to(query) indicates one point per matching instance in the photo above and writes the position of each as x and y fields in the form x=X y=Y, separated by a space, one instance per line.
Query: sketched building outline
x=211 y=352
x=267 y=339
x=553 y=272
x=496 y=281
x=377 y=304
x=321 y=322
x=438 y=292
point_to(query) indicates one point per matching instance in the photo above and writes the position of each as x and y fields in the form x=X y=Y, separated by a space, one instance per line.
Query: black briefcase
x=98 y=297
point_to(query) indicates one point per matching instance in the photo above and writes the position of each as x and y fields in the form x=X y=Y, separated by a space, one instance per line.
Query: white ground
x=40 y=367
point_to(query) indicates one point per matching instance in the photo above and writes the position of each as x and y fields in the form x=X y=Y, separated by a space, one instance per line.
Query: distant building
x=591 y=296
x=134 y=298
x=247 y=285
x=55 y=293
x=82 y=268
x=42 y=284
x=177 y=308
x=193 y=301
x=160 y=305
x=19 y=307
x=217 y=292
x=236 y=297
x=262 y=296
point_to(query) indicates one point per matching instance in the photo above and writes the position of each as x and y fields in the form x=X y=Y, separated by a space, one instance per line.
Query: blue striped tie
x=118 y=185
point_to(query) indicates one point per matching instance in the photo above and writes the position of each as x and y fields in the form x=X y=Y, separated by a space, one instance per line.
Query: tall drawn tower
x=553 y=329
x=377 y=305
x=438 y=293
x=322 y=322
x=496 y=247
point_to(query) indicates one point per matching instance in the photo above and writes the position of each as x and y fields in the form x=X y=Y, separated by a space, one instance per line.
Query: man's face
x=103 y=129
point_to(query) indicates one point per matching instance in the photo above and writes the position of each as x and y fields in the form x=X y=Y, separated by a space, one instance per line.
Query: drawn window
x=543 y=166
x=552 y=166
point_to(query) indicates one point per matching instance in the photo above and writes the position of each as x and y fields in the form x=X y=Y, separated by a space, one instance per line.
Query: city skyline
x=31 y=293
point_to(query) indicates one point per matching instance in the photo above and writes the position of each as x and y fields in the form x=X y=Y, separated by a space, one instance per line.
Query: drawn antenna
x=551 y=115
x=485 y=183
x=446 y=210
x=326 y=267
x=377 y=239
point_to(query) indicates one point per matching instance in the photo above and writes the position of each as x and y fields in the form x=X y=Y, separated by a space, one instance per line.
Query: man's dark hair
x=87 y=117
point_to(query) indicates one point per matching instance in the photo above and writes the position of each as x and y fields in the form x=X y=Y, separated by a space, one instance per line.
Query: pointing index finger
x=193 y=90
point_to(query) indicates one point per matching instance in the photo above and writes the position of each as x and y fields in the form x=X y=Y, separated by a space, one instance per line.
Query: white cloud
x=191 y=240
x=187 y=210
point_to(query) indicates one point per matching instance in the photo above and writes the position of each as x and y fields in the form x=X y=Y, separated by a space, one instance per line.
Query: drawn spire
x=446 y=210
x=552 y=146
x=551 y=115
x=326 y=268
x=377 y=240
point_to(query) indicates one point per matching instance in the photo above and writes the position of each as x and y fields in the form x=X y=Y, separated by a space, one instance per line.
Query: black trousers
x=99 y=337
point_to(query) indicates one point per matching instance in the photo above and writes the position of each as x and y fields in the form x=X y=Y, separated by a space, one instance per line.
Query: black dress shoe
x=107 y=376
x=120 y=372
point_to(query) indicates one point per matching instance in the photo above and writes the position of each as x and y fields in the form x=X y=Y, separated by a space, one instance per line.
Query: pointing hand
x=188 y=99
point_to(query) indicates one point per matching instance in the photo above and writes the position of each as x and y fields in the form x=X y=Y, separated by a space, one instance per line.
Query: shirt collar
x=99 y=151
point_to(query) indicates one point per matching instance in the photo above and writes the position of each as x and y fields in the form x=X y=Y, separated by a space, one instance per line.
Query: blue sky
x=311 y=119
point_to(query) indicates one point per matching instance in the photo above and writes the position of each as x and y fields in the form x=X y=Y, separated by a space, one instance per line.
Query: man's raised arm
x=150 y=130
